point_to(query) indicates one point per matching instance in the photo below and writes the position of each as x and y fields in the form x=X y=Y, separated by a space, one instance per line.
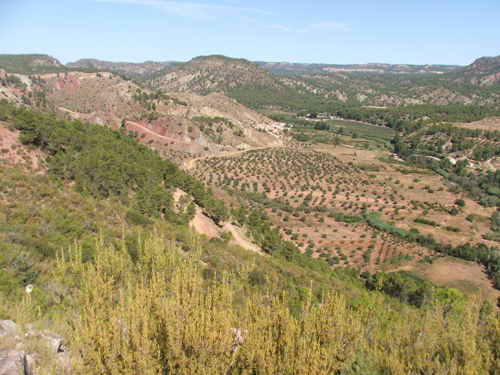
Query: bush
x=134 y=217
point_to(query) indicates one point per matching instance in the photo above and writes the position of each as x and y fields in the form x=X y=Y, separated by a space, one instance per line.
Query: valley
x=247 y=197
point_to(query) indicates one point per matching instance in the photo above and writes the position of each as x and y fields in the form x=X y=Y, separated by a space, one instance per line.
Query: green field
x=363 y=129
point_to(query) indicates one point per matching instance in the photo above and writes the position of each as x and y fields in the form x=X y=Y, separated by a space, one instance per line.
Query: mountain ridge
x=286 y=68
x=133 y=70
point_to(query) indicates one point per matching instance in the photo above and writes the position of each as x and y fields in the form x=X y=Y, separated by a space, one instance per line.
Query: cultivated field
x=316 y=196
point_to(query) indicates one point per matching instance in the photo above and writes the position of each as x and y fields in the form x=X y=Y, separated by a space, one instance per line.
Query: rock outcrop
x=17 y=358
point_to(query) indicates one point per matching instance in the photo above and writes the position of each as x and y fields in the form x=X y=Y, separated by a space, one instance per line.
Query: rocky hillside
x=484 y=71
x=175 y=123
x=133 y=70
x=285 y=68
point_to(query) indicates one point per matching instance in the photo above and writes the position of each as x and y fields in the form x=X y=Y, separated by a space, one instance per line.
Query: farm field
x=316 y=196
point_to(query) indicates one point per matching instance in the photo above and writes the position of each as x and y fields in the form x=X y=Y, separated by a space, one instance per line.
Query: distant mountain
x=296 y=86
x=28 y=64
x=484 y=65
x=285 y=68
x=133 y=70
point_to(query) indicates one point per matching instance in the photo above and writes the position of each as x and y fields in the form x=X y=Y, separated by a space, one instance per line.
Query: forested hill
x=255 y=87
x=316 y=85
x=105 y=163
x=483 y=71
x=30 y=63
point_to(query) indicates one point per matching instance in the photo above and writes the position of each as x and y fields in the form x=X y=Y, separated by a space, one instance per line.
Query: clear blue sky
x=316 y=31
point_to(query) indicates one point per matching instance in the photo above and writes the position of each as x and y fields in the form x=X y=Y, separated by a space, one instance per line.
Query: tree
x=271 y=242
x=495 y=221
x=191 y=210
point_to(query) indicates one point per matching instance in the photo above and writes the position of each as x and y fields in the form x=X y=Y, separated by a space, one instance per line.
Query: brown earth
x=13 y=153
x=106 y=99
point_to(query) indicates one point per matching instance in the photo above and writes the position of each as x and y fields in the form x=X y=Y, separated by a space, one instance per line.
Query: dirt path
x=488 y=163
x=238 y=238
x=204 y=225
x=156 y=134
x=201 y=223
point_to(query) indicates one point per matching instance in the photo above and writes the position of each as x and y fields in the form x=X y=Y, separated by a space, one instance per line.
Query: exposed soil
x=13 y=153
x=204 y=225
x=399 y=197
x=192 y=162
x=239 y=239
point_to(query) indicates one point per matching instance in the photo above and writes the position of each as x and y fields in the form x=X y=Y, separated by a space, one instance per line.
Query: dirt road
x=488 y=163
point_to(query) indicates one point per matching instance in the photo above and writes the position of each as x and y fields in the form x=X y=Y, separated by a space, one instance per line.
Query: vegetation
x=104 y=163
x=489 y=257
x=118 y=271
x=147 y=100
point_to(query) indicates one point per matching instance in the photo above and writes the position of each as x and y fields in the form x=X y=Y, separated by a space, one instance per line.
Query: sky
x=315 y=31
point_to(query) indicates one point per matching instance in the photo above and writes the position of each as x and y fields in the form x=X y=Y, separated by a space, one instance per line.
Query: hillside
x=115 y=267
x=305 y=85
x=206 y=74
x=484 y=71
x=167 y=123
x=368 y=85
